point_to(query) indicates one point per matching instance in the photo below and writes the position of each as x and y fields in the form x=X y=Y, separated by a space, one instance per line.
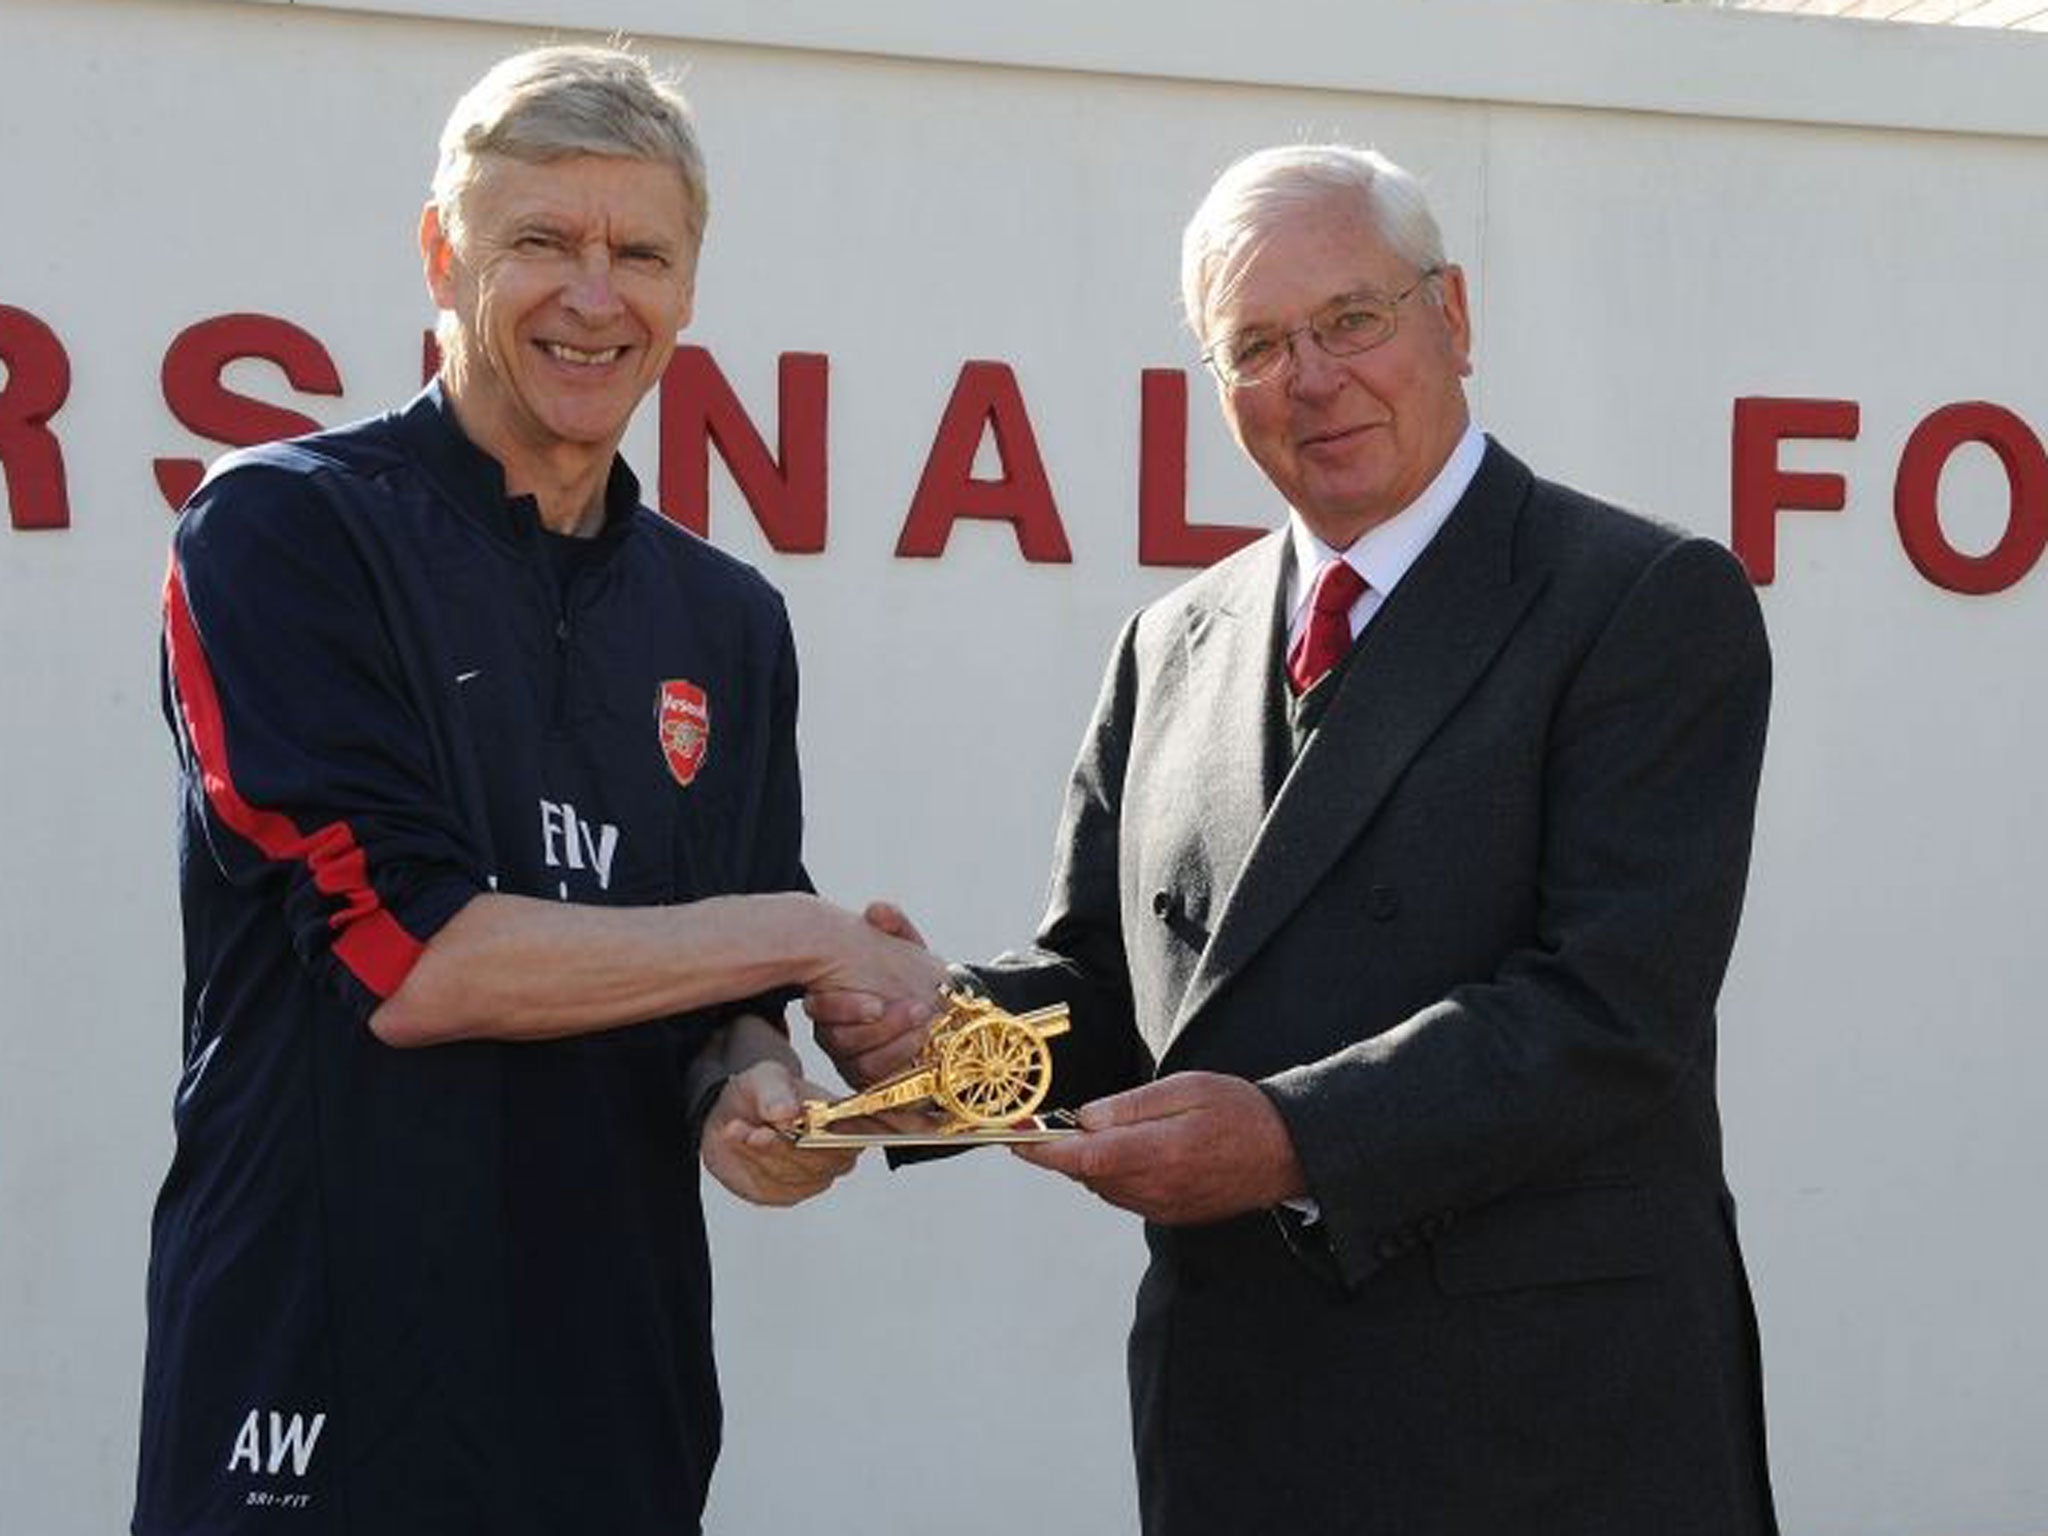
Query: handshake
x=871 y=1006
x=1183 y=1148
x=872 y=990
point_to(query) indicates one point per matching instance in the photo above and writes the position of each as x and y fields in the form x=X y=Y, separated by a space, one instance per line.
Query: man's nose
x=591 y=292
x=1314 y=372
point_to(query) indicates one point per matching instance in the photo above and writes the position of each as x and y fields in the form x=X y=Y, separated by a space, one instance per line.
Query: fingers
x=1091 y=1158
x=1119 y=1167
x=1178 y=1093
x=844 y=1009
x=778 y=1174
x=873 y=1012
x=755 y=1107
x=1192 y=1147
x=808 y=1169
x=1116 y=1166
x=888 y=957
x=867 y=1046
x=851 y=1037
x=767 y=1094
x=892 y=920
x=1129 y=1108
x=856 y=1022
x=745 y=1149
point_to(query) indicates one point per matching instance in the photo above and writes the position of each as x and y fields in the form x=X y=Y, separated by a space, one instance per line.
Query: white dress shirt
x=1384 y=552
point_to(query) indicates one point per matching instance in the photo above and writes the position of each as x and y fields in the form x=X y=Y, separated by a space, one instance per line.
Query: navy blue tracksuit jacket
x=461 y=1289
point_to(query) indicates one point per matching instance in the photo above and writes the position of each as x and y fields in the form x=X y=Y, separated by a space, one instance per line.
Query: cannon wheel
x=993 y=1071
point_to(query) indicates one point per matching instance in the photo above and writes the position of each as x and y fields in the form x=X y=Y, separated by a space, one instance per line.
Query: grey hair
x=1255 y=193
x=554 y=102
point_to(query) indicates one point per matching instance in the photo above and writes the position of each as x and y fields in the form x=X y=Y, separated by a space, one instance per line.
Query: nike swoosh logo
x=463 y=677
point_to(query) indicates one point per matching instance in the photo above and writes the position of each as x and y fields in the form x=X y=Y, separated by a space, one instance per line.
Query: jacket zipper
x=558 y=719
x=559 y=591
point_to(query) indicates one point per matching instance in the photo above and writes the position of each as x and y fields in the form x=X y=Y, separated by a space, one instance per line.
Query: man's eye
x=1355 y=317
x=644 y=259
x=537 y=244
x=1246 y=351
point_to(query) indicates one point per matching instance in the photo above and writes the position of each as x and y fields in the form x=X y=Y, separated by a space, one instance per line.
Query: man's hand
x=867 y=1035
x=1191 y=1147
x=745 y=1150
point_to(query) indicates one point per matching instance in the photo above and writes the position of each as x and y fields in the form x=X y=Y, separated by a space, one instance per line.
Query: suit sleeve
x=1078 y=957
x=1592 y=1027
x=307 y=770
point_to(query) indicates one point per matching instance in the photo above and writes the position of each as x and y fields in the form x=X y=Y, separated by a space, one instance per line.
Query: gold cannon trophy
x=984 y=1072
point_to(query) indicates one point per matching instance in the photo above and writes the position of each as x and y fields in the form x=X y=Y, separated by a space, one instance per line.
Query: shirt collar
x=1384 y=552
x=475 y=481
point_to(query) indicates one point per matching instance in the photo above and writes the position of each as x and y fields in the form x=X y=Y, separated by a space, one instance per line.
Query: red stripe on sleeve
x=367 y=938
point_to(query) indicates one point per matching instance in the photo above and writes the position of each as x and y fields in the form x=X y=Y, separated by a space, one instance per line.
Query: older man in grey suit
x=1394 y=890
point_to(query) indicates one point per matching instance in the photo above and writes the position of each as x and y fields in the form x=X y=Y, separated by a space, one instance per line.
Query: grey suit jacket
x=1469 y=941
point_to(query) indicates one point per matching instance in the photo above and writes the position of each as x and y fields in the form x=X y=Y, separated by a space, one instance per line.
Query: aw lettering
x=290 y=1444
x=567 y=841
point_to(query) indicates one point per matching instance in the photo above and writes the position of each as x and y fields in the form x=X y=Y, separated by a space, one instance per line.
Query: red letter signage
x=38 y=379
x=196 y=396
x=785 y=490
x=1916 y=498
x=1762 y=489
x=1165 y=536
x=985 y=396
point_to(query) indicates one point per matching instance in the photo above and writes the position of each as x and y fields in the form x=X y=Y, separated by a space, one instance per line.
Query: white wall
x=1661 y=209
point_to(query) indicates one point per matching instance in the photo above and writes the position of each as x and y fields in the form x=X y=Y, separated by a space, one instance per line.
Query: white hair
x=555 y=102
x=1257 y=192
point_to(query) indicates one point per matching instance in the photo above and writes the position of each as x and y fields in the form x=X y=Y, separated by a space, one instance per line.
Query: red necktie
x=1327 y=635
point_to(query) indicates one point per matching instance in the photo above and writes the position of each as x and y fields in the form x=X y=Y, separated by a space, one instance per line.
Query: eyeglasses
x=1344 y=327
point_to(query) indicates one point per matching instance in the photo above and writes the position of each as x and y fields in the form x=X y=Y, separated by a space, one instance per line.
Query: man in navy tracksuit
x=493 y=894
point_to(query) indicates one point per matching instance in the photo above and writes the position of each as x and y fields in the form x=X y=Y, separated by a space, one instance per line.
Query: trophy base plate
x=994 y=1136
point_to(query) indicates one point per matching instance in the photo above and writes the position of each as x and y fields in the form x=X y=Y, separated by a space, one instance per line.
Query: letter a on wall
x=985 y=396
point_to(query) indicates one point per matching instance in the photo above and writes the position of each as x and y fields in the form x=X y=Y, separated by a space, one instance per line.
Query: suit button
x=1382 y=902
x=1162 y=904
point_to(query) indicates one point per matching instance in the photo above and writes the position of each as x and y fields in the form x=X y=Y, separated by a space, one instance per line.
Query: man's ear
x=437 y=256
x=1457 y=317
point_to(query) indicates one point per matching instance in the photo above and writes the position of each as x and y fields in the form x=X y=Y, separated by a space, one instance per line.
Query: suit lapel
x=1231 y=661
x=1420 y=656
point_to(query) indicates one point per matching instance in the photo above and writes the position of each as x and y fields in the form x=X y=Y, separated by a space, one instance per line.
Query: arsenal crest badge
x=682 y=719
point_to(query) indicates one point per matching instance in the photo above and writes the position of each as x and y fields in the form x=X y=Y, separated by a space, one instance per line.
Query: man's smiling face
x=568 y=282
x=1348 y=441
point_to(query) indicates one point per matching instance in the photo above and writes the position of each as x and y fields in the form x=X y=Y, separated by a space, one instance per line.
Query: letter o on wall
x=1916 y=499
